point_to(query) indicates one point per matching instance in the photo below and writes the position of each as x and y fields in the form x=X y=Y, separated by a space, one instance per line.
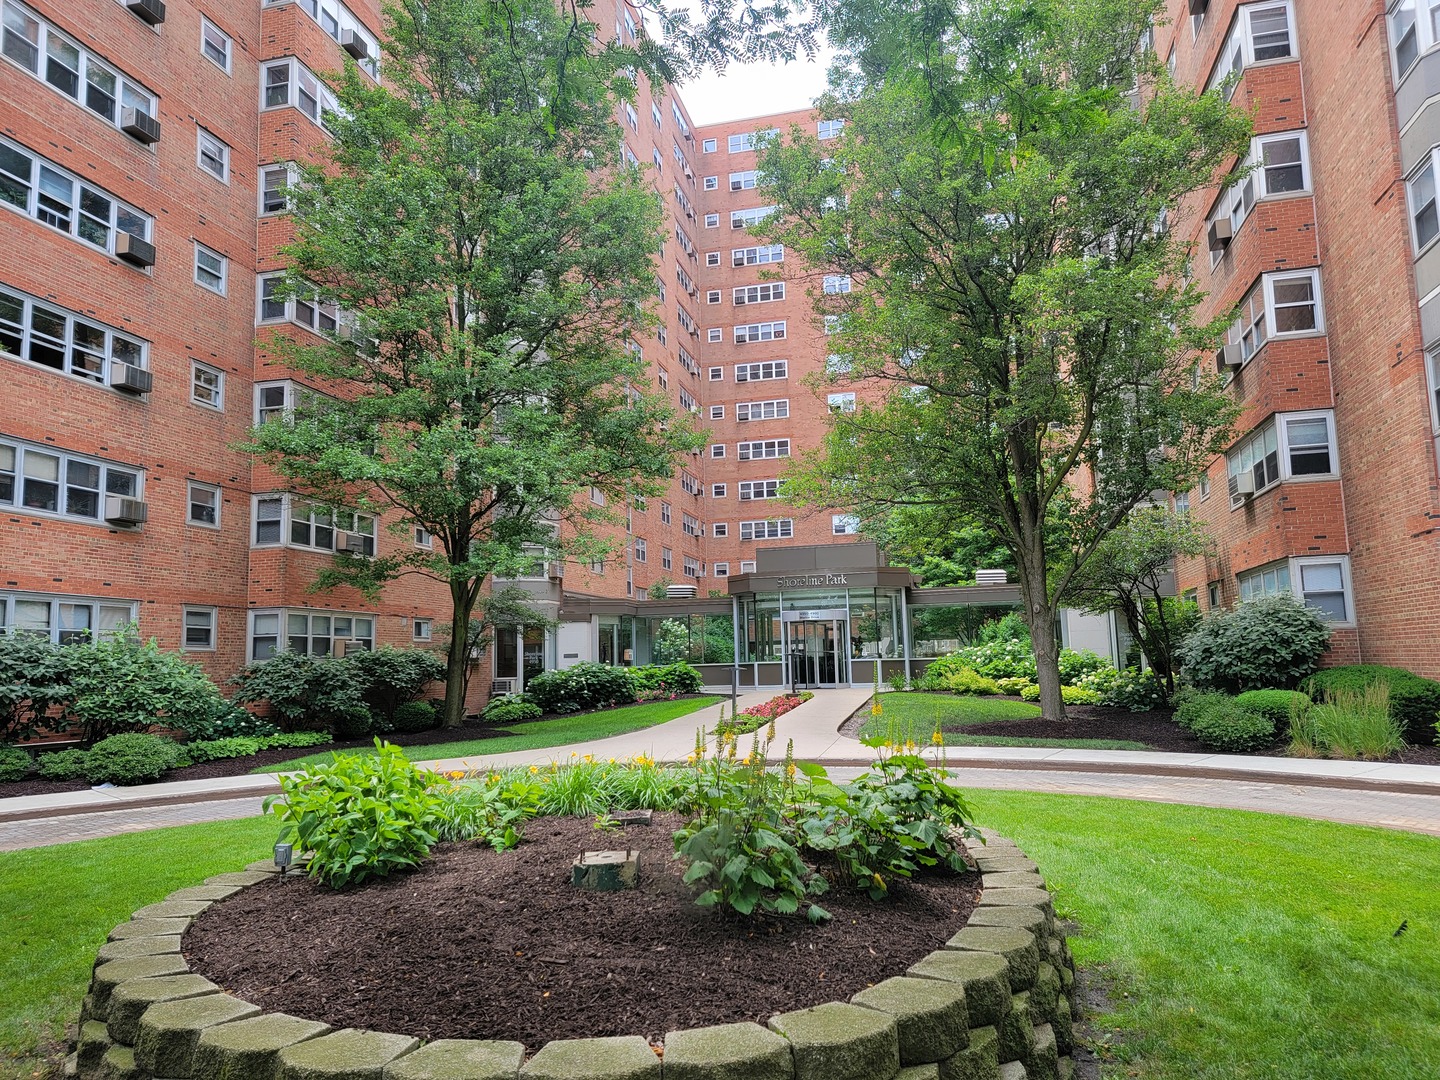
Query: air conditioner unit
x=1222 y=231
x=149 y=11
x=345 y=647
x=500 y=687
x=139 y=124
x=351 y=542
x=124 y=511
x=129 y=377
x=740 y=300
x=1245 y=483
x=1199 y=7
x=1228 y=358
x=133 y=250
x=354 y=44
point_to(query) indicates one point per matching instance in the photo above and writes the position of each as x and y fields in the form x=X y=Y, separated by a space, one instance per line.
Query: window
x=714 y=335
x=423 y=538
x=688 y=483
x=51 y=481
x=311 y=526
x=759 y=294
x=641 y=554
x=1180 y=502
x=762 y=448
x=717 y=412
x=597 y=566
x=717 y=450
x=663 y=378
x=275 y=184
x=778 y=409
x=289 y=83
x=719 y=528
x=64 y=619
x=712 y=258
x=631 y=116
x=275 y=401
x=1281 y=165
x=210 y=269
x=720 y=569
x=837 y=364
x=212 y=155
x=841 y=403
x=687 y=402
x=1204 y=486
x=215 y=44
x=53 y=197
x=1278 y=305
x=758 y=489
x=757 y=256
x=597 y=496
x=828 y=129
x=307 y=310
x=707 y=146
x=749 y=139
x=1406 y=39
x=835 y=284
x=689 y=525
x=712 y=296
x=667 y=559
x=717 y=374
x=1270 y=581
x=1260 y=32
x=712 y=221
x=844 y=524
x=1420 y=191
x=766 y=331
x=57 y=339
x=744 y=219
x=1289 y=446
x=766 y=369
x=744 y=181
x=665 y=513
x=690 y=567
x=69 y=68
x=718 y=491
x=711 y=183
x=207 y=385
x=1325 y=586
x=420 y=630
x=778 y=529
x=336 y=20
x=203 y=502
x=315 y=633
x=199 y=629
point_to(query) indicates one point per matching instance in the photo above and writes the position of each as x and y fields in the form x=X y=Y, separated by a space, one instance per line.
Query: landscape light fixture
x=284 y=853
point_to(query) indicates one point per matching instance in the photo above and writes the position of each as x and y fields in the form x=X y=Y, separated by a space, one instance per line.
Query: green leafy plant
x=1348 y=724
x=14 y=764
x=585 y=685
x=227 y=720
x=362 y=815
x=1270 y=643
x=1013 y=687
x=63 y=765
x=511 y=709
x=1133 y=689
x=122 y=684
x=36 y=689
x=898 y=680
x=391 y=678
x=494 y=814
x=1414 y=701
x=414 y=716
x=132 y=758
x=1220 y=722
x=678 y=678
x=307 y=692
x=247 y=745
x=966 y=681
x=1278 y=706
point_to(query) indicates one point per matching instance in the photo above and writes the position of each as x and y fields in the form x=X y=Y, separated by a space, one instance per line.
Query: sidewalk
x=813 y=727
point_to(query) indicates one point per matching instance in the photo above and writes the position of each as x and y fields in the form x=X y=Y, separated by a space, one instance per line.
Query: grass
x=952 y=739
x=916 y=715
x=1234 y=944
x=535 y=734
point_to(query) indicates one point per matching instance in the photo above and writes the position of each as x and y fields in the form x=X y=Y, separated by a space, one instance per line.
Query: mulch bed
x=479 y=944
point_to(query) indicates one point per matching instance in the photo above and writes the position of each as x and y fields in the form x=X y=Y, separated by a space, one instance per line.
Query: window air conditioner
x=129 y=377
x=1199 y=7
x=345 y=647
x=120 y=510
x=351 y=542
x=1245 y=483
x=133 y=250
x=1228 y=358
x=740 y=300
x=139 y=124
x=149 y=11
x=354 y=44
x=1222 y=231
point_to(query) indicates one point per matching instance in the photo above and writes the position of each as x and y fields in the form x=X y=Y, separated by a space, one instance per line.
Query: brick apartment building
x=1329 y=250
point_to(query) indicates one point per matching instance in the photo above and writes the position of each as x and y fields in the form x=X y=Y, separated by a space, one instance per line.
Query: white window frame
x=78 y=341
x=212 y=155
x=712 y=258
x=1255 y=327
x=1289 y=577
x=750 y=333
x=667 y=559
x=762 y=371
x=90 y=72
x=719 y=491
x=55 y=630
x=1420 y=195
x=201 y=392
x=828 y=129
x=335 y=18
x=836 y=284
x=720 y=569
x=309 y=312
x=665 y=515
x=299 y=80
x=767 y=292
x=1279 y=424
x=768 y=529
x=761 y=255
x=757 y=490
x=1423 y=30
x=744 y=181
x=642 y=550
x=844 y=524
x=717 y=450
x=313 y=618
x=1238 y=52
x=212 y=616
x=191 y=487
x=223 y=273
x=843 y=402
x=422 y=538
x=712 y=221
x=690 y=566
x=719 y=528
x=209 y=33
x=708 y=146
x=745 y=140
x=713 y=296
x=717 y=412
x=715 y=335
x=756 y=411
x=762 y=449
x=42 y=202
x=15 y=455
x=298 y=511
x=291 y=174
x=421 y=629
x=748 y=218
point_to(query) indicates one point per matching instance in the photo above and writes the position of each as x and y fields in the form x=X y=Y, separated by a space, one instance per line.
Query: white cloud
x=758 y=89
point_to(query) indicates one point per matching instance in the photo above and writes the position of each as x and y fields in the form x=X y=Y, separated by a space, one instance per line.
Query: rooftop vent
x=990 y=577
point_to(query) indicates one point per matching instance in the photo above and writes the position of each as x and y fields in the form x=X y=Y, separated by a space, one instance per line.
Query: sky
x=755 y=89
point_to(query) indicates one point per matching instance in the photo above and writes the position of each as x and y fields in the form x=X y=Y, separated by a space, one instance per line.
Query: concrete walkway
x=1394 y=796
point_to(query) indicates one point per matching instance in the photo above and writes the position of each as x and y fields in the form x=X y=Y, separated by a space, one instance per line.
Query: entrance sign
x=812 y=581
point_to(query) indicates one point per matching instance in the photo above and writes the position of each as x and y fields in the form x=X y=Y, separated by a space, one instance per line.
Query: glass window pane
x=113 y=617
x=62 y=65
x=122 y=482
x=1321 y=577
x=32 y=614
x=100 y=90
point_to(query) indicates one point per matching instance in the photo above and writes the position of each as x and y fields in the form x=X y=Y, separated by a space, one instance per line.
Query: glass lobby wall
x=762 y=629
x=876 y=625
x=695 y=639
x=943 y=628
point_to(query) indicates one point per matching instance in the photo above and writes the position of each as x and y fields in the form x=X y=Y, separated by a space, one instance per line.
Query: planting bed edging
x=995 y=1003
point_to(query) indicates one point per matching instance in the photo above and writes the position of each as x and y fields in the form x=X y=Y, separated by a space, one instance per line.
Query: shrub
x=1133 y=689
x=1070 y=695
x=1270 y=643
x=1075 y=665
x=586 y=685
x=966 y=681
x=413 y=716
x=63 y=765
x=510 y=709
x=1013 y=687
x=678 y=678
x=131 y=758
x=362 y=815
x=246 y=745
x=391 y=678
x=35 y=686
x=14 y=764
x=1278 y=706
x=307 y=692
x=1414 y=701
x=1009 y=627
x=123 y=684
x=1219 y=722
x=229 y=721
x=1349 y=724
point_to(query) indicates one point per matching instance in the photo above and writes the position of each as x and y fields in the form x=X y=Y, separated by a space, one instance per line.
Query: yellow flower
x=690 y=758
x=534 y=769
x=574 y=753
x=745 y=760
x=588 y=757
x=875 y=709
x=789 y=770
x=937 y=739
x=612 y=761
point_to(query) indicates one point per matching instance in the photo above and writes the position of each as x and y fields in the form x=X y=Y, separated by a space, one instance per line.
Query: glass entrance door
x=815 y=656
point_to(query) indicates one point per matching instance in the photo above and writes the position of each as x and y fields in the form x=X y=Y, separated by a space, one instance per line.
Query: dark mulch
x=476 y=944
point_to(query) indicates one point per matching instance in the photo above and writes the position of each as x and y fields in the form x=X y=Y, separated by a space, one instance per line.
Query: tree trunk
x=458 y=658
x=1040 y=618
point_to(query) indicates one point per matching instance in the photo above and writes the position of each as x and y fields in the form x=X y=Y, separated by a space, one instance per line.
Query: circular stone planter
x=995 y=1003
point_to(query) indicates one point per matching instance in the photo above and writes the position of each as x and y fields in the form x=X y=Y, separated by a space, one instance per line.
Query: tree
x=1130 y=574
x=1020 y=310
x=491 y=256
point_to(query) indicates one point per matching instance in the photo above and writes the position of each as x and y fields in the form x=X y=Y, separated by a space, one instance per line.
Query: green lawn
x=537 y=734
x=913 y=715
x=953 y=739
x=1235 y=945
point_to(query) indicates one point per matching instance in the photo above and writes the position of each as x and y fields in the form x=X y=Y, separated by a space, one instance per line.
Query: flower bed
x=757 y=716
